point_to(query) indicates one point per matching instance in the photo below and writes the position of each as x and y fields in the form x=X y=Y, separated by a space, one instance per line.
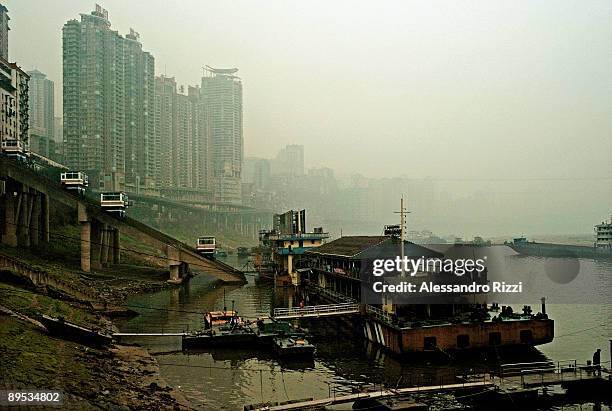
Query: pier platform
x=513 y=381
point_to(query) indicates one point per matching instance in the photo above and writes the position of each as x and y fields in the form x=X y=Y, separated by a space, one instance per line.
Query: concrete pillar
x=10 y=223
x=174 y=263
x=30 y=214
x=35 y=233
x=110 y=259
x=86 y=246
x=44 y=224
x=95 y=244
x=104 y=243
x=20 y=218
x=116 y=246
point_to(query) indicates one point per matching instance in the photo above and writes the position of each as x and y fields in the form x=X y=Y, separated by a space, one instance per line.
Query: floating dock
x=515 y=381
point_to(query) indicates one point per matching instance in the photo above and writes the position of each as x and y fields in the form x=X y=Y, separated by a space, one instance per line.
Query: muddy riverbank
x=120 y=376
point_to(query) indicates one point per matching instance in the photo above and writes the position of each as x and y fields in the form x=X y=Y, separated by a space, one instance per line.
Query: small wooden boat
x=61 y=328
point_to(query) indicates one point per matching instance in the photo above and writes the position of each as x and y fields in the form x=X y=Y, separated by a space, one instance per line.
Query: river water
x=229 y=379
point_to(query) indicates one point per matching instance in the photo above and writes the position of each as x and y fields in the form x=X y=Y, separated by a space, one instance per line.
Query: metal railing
x=334 y=295
x=379 y=314
x=517 y=369
x=316 y=310
x=547 y=372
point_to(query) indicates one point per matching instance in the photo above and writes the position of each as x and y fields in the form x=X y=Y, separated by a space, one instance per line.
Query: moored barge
x=339 y=273
x=221 y=329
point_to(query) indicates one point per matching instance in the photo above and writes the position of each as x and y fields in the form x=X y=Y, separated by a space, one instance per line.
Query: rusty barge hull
x=459 y=337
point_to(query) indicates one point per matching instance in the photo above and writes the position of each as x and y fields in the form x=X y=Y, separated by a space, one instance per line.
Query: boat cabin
x=220 y=318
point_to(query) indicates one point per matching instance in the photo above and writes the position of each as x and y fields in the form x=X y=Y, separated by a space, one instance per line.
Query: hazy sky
x=430 y=88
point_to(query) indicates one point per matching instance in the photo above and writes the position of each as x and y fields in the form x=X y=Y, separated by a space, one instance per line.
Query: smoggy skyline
x=401 y=88
x=508 y=104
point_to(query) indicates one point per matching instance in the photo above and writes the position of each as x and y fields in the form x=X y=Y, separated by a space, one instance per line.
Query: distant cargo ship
x=522 y=246
x=601 y=249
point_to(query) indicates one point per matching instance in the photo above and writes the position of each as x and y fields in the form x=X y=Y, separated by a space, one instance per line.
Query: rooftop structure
x=288 y=242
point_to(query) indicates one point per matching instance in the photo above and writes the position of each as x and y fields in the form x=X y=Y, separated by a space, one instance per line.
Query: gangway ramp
x=541 y=374
x=343 y=399
x=151 y=334
x=316 y=311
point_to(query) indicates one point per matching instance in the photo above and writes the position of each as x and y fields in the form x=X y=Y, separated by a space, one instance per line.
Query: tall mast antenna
x=402 y=214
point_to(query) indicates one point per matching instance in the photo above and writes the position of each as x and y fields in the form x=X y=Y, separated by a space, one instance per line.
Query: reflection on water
x=229 y=379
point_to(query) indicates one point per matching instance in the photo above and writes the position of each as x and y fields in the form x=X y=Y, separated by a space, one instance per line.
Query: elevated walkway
x=316 y=311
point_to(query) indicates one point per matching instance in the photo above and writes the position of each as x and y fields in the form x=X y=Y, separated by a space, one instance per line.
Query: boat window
x=429 y=343
x=495 y=338
x=463 y=340
x=526 y=336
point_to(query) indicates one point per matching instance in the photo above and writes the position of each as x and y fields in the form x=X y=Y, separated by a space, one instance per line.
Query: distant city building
x=164 y=114
x=603 y=234
x=14 y=91
x=14 y=95
x=4 y=29
x=184 y=139
x=289 y=161
x=108 y=98
x=257 y=171
x=140 y=149
x=221 y=95
x=179 y=133
x=257 y=184
x=181 y=130
x=58 y=135
x=42 y=113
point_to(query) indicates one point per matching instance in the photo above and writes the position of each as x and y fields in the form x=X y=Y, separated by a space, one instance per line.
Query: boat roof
x=369 y=247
